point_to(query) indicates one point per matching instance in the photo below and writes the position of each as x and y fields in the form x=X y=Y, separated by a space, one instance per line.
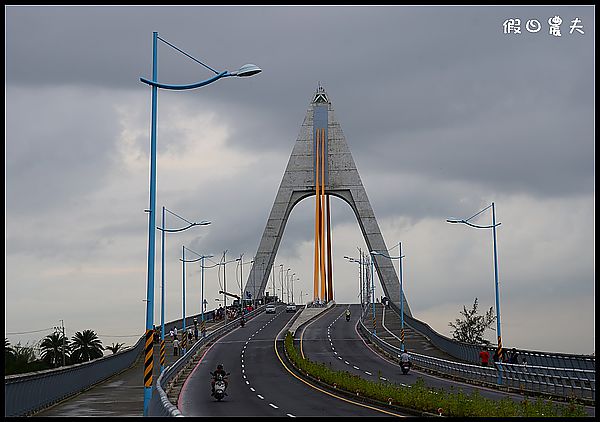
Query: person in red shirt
x=484 y=355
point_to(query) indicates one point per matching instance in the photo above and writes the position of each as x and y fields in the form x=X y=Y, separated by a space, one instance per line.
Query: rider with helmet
x=218 y=371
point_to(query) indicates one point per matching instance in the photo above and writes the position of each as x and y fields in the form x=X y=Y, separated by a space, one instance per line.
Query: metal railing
x=470 y=353
x=563 y=382
x=27 y=393
x=159 y=404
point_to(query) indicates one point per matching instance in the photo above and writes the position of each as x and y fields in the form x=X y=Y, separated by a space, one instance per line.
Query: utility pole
x=62 y=330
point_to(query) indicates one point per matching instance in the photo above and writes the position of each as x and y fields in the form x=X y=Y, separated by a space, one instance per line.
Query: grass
x=419 y=397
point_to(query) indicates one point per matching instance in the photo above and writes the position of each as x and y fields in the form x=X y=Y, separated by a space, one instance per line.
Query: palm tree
x=52 y=348
x=115 y=347
x=86 y=346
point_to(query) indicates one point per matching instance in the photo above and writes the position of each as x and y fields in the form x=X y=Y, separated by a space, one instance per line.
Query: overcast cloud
x=442 y=111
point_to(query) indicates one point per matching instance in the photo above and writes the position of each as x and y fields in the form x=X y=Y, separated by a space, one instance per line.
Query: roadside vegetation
x=420 y=398
x=55 y=350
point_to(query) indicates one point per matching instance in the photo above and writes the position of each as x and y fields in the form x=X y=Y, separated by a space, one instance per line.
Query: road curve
x=259 y=384
x=332 y=340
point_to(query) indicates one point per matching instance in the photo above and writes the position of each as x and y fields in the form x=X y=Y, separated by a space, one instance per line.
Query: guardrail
x=25 y=394
x=470 y=353
x=159 y=403
x=562 y=382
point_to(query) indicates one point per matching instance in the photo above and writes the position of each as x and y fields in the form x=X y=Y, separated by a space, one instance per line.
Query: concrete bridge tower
x=341 y=179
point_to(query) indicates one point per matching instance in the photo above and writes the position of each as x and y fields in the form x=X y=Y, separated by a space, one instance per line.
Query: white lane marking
x=247 y=382
x=252 y=389
x=273 y=406
x=290 y=415
x=260 y=397
x=346 y=362
x=368 y=373
x=339 y=357
x=356 y=367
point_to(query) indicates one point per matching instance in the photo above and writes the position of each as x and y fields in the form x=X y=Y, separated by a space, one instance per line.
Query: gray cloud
x=442 y=111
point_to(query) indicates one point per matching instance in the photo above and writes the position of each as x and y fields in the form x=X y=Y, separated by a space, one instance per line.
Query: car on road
x=291 y=307
x=270 y=309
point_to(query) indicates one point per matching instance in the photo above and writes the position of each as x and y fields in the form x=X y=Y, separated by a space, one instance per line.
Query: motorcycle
x=405 y=367
x=219 y=386
x=242 y=322
x=347 y=317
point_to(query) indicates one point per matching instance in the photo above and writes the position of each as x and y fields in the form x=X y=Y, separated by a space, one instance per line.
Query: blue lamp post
x=202 y=267
x=162 y=302
x=493 y=227
x=246 y=70
x=399 y=258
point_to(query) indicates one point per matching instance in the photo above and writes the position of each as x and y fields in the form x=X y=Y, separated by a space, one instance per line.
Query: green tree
x=52 y=349
x=86 y=346
x=471 y=328
x=22 y=360
x=115 y=347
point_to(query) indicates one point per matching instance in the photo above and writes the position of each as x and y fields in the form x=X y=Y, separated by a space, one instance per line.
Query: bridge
x=267 y=377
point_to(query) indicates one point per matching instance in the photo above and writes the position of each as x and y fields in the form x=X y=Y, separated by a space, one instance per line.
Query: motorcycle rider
x=405 y=358
x=218 y=371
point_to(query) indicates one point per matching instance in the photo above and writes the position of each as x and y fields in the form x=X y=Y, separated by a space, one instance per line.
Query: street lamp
x=202 y=300
x=162 y=253
x=287 y=286
x=399 y=258
x=493 y=227
x=246 y=70
x=360 y=263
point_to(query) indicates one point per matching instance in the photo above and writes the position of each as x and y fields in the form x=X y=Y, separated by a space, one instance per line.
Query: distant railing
x=470 y=353
x=159 y=404
x=27 y=393
x=562 y=382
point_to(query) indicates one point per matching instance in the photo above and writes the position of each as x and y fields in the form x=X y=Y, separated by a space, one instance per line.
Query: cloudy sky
x=444 y=114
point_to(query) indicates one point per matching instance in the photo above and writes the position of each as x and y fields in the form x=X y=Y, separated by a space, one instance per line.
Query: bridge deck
x=120 y=395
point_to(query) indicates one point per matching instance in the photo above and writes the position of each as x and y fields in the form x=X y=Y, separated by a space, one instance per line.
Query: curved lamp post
x=360 y=276
x=399 y=258
x=246 y=70
x=162 y=253
x=493 y=227
x=201 y=258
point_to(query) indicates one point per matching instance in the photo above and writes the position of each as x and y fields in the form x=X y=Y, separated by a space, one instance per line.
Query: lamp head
x=247 y=70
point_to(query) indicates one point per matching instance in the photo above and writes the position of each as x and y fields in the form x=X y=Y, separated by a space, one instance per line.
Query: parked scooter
x=220 y=386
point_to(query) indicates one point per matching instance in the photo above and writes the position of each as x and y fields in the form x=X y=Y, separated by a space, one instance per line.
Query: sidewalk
x=120 y=395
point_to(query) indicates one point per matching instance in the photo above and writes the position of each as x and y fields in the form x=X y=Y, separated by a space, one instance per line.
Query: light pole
x=493 y=227
x=246 y=70
x=162 y=254
x=224 y=263
x=201 y=259
x=399 y=258
x=360 y=263
x=281 y=279
x=287 y=286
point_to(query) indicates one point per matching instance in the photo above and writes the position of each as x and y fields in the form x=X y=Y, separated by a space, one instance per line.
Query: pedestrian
x=172 y=334
x=175 y=332
x=484 y=356
x=195 y=333
x=189 y=335
x=514 y=356
x=175 y=347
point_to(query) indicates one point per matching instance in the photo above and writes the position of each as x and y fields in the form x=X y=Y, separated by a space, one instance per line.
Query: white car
x=291 y=307
x=270 y=309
